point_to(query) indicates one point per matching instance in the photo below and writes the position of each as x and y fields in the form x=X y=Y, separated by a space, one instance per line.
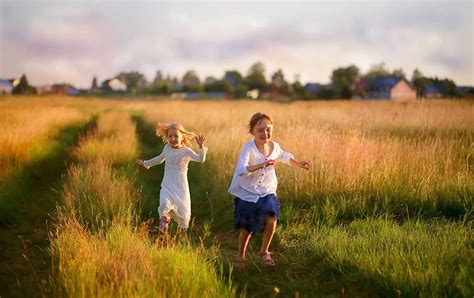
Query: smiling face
x=262 y=131
x=175 y=138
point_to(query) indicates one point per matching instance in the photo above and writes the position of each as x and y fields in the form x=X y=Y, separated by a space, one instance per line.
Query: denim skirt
x=252 y=216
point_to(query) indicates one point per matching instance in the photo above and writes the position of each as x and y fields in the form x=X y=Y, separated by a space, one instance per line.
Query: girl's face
x=175 y=138
x=262 y=131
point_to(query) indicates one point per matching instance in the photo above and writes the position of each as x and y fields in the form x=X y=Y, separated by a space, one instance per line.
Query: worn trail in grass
x=27 y=199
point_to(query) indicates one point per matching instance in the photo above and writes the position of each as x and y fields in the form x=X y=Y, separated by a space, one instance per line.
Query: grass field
x=387 y=209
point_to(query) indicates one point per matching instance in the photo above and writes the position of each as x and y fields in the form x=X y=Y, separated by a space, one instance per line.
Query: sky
x=73 y=40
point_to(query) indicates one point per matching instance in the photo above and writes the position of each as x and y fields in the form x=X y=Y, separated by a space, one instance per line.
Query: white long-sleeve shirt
x=250 y=186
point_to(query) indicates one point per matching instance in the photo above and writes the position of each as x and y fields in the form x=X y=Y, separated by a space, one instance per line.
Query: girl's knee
x=271 y=219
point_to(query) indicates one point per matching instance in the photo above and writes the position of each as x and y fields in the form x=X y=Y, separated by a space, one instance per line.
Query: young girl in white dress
x=254 y=186
x=175 y=199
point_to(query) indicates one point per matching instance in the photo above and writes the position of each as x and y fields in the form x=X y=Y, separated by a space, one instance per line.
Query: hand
x=305 y=164
x=268 y=163
x=200 y=140
x=140 y=162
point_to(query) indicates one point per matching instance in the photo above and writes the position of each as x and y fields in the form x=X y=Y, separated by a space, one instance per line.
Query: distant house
x=390 y=88
x=253 y=94
x=431 y=92
x=312 y=88
x=45 y=89
x=113 y=85
x=275 y=96
x=64 y=89
x=7 y=85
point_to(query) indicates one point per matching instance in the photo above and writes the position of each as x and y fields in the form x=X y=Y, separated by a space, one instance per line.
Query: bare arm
x=304 y=164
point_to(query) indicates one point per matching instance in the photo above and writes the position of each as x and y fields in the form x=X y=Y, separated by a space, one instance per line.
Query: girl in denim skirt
x=254 y=185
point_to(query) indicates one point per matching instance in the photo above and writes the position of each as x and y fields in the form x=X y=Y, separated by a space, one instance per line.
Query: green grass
x=26 y=200
x=101 y=248
x=389 y=240
x=405 y=234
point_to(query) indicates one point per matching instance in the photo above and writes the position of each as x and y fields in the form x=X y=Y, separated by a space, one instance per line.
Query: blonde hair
x=162 y=132
x=256 y=118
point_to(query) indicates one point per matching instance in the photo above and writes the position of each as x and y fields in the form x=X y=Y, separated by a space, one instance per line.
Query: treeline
x=346 y=82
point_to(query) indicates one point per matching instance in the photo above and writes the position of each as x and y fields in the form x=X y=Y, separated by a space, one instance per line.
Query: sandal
x=267 y=260
x=239 y=262
x=164 y=222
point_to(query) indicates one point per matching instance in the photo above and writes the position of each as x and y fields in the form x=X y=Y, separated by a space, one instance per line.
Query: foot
x=239 y=262
x=164 y=222
x=267 y=260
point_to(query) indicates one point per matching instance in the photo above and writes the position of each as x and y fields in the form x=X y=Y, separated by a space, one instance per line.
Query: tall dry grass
x=388 y=204
x=367 y=155
x=94 y=193
x=29 y=125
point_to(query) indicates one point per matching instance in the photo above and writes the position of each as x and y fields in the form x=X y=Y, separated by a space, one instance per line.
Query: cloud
x=55 y=41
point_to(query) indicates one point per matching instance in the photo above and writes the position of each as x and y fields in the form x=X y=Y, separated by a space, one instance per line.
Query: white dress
x=175 y=199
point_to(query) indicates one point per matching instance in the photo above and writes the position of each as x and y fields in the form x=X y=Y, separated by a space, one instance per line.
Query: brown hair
x=162 y=132
x=256 y=118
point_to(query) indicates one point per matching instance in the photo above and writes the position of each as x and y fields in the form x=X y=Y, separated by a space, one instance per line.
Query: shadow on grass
x=148 y=180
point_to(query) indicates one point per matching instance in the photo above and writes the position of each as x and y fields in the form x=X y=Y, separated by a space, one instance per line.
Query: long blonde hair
x=163 y=128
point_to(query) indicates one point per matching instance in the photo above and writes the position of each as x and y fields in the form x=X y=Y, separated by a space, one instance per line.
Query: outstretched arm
x=288 y=158
x=304 y=164
x=152 y=162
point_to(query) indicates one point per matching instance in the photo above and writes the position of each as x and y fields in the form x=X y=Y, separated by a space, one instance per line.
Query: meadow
x=386 y=210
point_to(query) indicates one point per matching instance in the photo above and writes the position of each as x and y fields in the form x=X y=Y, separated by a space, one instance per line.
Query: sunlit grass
x=376 y=165
x=374 y=154
x=28 y=125
x=387 y=207
x=415 y=258
x=122 y=262
x=114 y=140
x=100 y=249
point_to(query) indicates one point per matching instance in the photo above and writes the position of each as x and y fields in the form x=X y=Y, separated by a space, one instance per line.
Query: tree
x=134 y=80
x=297 y=89
x=160 y=85
x=24 y=87
x=256 y=77
x=279 y=83
x=240 y=91
x=191 y=82
x=343 y=80
x=233 y=77
x=213 y=85
x=376 y=71
x=158 y=80
x=420 y=82
x=94 y=86
x=327 y=92
x=398 y=73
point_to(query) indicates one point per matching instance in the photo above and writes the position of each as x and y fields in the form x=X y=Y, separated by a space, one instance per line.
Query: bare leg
x=270 y=226
x=244 y=237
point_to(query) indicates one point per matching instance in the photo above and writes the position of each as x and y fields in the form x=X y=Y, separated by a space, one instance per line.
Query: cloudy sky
x=71 y=41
